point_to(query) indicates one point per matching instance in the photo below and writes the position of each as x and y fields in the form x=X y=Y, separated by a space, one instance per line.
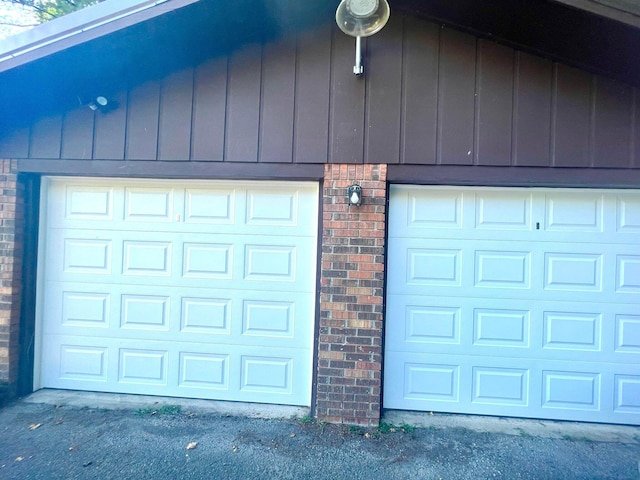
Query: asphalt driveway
x=164 y=439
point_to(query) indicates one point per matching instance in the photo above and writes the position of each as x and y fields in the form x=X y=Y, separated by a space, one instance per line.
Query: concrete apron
x=477 y=423
x=119 y=401
x=595 y=432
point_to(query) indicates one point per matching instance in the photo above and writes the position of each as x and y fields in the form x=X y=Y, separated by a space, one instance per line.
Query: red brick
x=352 y=279
x=11 y=218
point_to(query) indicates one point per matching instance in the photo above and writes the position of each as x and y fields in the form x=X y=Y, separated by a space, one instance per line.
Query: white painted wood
x=514 y=302
x=199 y=289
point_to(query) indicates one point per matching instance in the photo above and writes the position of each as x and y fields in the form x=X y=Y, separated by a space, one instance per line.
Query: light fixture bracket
x=354 y=195
x=102 y=104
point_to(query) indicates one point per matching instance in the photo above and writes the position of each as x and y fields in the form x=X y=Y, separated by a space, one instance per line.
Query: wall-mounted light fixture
x=98 y=103
x=354 y=194
x=361 y=18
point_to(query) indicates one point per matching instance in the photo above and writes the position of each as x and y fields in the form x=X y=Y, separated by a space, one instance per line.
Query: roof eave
x=606 y=8
x=81 y=26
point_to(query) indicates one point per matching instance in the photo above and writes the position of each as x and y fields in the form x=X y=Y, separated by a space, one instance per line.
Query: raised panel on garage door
x=199 y=289
x=515 y=302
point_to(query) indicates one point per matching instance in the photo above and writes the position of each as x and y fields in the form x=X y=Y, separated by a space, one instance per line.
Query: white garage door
x=181 y=288
x=515 y=302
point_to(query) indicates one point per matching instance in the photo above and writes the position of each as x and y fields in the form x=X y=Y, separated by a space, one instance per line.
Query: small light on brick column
x=355 y=195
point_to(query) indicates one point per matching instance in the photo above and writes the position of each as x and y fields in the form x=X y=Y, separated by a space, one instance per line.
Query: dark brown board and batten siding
x=430 y=96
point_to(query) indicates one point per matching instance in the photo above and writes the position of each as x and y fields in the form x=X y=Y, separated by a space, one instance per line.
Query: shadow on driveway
x=45 y=441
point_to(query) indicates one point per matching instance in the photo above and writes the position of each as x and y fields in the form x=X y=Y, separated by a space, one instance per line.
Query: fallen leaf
x=192 y=445
x=292 y=435
x=33 y=426
x=19 y=459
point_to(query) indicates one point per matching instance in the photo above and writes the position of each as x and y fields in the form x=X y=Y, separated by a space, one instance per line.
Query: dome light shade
x=362 y=18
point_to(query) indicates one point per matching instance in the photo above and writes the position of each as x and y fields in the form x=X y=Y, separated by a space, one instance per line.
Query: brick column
x=351 y=298
x=11 y=233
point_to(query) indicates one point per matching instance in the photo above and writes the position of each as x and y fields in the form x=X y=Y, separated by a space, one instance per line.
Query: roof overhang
x=624 y=11
x=79 y=27
x=561 y=29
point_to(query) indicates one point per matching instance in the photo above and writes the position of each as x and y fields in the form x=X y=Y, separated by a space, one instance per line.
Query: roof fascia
x=605 y=9
x=81 y=26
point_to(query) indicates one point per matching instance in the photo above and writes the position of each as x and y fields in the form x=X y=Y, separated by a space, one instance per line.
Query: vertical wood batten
x=109 y=132
x=77 y=133
x=532 y=113
x=243 y=104
x=383 y=96
x=572 y=117
x=612 y=125
x=46 y=137
x=313 y=84
x=420 y=91
x=176 y=103
x=142 y=122
x=456 y=100
x=209 y=108
x=494 y=104
x=635 y=147
x=278 y=96
x=347 y=102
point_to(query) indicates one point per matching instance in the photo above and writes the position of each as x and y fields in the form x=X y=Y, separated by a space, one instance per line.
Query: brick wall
x=351 y=298
x=11 y=238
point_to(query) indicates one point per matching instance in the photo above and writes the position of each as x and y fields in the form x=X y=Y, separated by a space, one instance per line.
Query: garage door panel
x=513 y=302
x=185 y=314
x=257 y=207
x=149 y=204
x=571 y=391
x=628 y=214
x=83 y=203
x=627 y=393
x=178 y=369
x=201 y=289
x=441 y=213
x=569 y=272
x=574 y=212
x=512 y=212
x=534 y=329
x=131 y=257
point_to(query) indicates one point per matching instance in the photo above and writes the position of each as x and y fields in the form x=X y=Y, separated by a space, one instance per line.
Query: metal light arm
x=358 y=69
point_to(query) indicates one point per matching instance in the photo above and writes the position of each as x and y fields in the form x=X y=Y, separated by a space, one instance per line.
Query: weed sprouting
x=385 y=428
x=163 y=410
x=406 y=428
x=307 y=419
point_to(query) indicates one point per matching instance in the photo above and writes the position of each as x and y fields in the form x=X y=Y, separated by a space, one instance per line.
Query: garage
x=202 y=289
x=514 y=302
